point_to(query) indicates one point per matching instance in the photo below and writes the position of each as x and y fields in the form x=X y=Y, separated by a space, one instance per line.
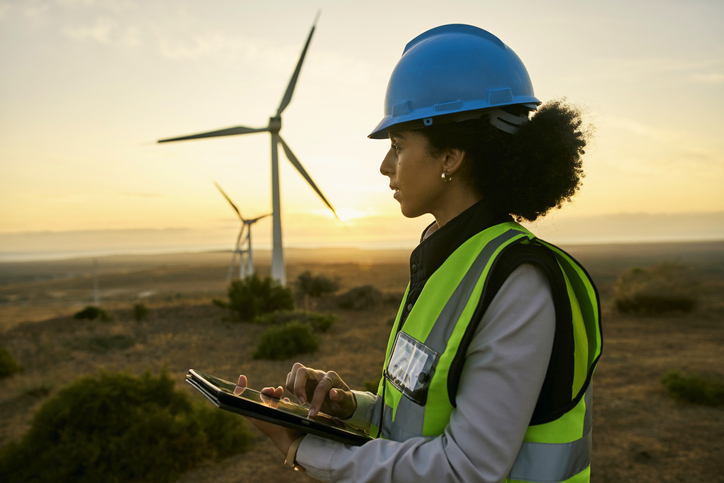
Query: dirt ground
x=640 y=433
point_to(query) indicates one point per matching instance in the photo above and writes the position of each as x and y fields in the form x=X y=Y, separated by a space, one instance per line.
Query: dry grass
x=640 y=433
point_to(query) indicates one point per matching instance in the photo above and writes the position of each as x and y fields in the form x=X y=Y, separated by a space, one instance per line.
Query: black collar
x=436 y=248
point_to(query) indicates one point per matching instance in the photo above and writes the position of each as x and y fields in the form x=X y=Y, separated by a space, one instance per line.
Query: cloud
x=640 y=129
x=62 y=197
x=711 y=78
x=100 y=31
x=656 y=147
x=633 y=69
x=35 y=10
x=205 y=45
x=139 y=195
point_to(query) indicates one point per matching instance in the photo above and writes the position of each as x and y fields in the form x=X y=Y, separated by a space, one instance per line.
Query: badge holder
x=411 y=367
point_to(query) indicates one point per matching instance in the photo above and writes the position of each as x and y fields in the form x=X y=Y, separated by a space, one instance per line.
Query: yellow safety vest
x=433 y=335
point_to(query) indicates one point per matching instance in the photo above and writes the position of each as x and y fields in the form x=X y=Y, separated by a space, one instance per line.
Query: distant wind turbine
x=242 y=247
x=278 y=271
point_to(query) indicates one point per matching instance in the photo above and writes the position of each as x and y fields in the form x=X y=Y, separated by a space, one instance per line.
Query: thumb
x=336 y=395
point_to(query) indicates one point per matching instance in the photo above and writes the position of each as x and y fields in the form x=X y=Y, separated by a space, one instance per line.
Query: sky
x=87 y=87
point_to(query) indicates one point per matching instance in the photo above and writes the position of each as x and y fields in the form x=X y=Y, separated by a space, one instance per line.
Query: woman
x=488 y=367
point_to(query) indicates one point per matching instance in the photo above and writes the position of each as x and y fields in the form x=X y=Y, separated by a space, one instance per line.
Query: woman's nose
x=387 y=168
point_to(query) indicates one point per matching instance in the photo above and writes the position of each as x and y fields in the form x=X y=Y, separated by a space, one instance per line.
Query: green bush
x=8 y=364
x=91 y=313
x=321 y=322
x=252 y=296
x=140 y=312
x=285 y=341
x=360 y=298
x=318 y=322
x=101 y=344
x=118 y=428
x=315 y=286
x=693 y=388
x=669 y=287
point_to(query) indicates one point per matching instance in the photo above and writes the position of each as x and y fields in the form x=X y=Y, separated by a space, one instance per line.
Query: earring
x=445 y=178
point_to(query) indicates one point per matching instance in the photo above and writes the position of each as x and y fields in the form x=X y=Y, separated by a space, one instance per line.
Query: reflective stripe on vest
x=555 y=462
x=544 y=456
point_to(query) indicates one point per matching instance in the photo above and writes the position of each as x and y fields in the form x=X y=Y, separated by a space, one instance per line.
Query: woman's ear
x=453 y=159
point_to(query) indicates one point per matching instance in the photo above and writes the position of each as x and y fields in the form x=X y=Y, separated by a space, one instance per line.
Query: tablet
x=248 y=402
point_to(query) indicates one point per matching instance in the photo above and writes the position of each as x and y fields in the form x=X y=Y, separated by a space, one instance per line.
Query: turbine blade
x=254 y=220
x=293 y=159
x=212 y=134
x=230 y=202
x=293 y=81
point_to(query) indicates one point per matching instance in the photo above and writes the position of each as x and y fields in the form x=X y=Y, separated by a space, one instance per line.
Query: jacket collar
x=434 y=249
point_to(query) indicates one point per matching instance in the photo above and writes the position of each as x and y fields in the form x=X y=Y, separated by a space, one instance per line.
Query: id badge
x=411 y=367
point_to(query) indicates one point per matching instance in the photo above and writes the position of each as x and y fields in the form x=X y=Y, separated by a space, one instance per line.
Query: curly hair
x=526 y=174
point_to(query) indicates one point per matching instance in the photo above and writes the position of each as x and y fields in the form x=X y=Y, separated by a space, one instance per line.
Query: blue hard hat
x=455 y=71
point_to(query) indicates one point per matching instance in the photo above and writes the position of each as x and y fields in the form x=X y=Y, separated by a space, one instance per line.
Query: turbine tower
x=244 y=247
x=278 y=271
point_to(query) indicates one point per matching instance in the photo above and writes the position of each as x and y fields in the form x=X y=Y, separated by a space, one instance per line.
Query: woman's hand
x=281 y=437
x=325 y=391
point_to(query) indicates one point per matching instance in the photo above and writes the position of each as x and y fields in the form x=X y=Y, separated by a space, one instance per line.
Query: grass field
x=640 y=433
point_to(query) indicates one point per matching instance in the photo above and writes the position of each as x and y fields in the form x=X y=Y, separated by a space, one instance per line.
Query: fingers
x=320 y=393
x=324 y=389
x=301 y=381
x=241 y=385
x=298 y=370
x=270 y=396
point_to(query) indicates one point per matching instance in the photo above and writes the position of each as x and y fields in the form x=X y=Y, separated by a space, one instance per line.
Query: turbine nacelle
x=275 y=124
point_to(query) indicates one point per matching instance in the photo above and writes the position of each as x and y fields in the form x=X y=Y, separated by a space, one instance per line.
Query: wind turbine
x=278 y=271
x=248 y=267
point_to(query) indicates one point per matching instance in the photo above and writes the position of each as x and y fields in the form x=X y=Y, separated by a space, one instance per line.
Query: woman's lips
x=396 y=193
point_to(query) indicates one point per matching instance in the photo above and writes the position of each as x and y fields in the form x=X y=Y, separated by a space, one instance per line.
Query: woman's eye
x=396 y=148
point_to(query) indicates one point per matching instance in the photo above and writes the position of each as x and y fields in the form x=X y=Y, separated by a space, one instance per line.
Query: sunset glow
x=89 y=86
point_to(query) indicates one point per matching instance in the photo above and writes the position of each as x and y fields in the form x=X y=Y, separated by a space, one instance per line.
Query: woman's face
x=414 y=174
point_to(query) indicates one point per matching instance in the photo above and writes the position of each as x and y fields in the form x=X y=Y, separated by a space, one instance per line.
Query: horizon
x=602 y=230
x=89 y=86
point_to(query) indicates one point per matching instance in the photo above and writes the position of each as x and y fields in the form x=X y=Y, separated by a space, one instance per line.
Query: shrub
x=92 y=312
x=8 y=365
x=321 y=322
x=41 y=390
x=693 y=388
x=318 y=322
x=101 y=344
x=286 y=341
x=119 y=428
x=315 y=286
x=360 y=298
x=140 y=312
x=669 y=287
x=252 y=296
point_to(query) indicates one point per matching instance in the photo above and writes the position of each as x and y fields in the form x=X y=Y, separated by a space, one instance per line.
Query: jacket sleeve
x=362 y=417
x=503 y=373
